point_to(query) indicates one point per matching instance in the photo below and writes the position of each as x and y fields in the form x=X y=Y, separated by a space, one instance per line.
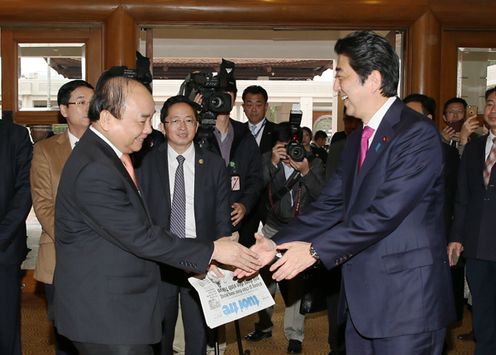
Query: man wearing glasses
x=49 y=157
x=180 y=167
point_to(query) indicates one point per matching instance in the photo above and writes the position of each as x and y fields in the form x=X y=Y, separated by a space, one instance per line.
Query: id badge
x=235 y=183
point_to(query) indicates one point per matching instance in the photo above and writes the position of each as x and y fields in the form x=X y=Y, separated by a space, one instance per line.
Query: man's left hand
x=296 y=259
x=238 y=213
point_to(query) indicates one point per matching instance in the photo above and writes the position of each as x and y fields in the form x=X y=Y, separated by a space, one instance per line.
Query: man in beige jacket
x=49 y=157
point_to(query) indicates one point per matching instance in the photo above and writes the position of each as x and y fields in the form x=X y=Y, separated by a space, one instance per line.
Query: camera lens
x=216 y=102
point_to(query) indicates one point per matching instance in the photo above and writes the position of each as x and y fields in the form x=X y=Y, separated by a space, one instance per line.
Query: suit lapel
x=200 y=177
x=162 y=164
x=383 y=136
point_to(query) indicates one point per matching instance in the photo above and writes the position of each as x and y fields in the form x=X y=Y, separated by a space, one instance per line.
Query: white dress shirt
x=189 y=184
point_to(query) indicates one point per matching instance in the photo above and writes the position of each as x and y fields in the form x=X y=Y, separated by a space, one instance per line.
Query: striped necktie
x=178 y=210
x=491 y=159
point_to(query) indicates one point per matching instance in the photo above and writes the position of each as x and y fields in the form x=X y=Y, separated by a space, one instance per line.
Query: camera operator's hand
x=238 y=213
x=279 y=153
x=198 y=99
x=302 y=166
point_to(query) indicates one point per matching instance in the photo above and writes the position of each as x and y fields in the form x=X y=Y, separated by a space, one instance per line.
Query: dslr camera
x=212 y=87
x=294 y=148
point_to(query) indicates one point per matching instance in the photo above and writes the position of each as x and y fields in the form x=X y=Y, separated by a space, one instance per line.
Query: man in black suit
x=106 y=280
x=255 y=106
x=207 y=211
x=15 y=203
x=473 y=228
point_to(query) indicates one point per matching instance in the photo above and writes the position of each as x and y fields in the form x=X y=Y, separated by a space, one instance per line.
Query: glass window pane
x=476 y=73
x=43 y=69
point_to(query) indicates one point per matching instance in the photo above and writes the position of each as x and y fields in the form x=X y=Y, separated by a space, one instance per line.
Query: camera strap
x=288 y=185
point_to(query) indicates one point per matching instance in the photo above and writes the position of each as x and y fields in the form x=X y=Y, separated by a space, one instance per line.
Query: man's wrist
x=313 y=253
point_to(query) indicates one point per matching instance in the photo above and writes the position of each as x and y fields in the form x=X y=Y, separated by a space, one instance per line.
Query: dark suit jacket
x=267 y=141
x=385 y=224
x=244 y=152
x=106 y=284
x=15 y=194
x=475 y=206
x=212 y=209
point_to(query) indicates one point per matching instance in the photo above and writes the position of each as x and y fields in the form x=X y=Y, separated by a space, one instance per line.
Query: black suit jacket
x=212 y=210
x=15 y=194
x=475 y=205
x=267 y=141
x=106 y=284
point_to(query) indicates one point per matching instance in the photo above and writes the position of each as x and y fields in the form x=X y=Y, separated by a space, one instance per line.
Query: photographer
x=234 y=142
x=292 y=185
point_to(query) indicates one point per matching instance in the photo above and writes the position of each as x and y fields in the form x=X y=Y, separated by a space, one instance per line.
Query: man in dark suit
x=15 y=203
x=106 y=280
x=207 y=211
x=473 y=228
x=380 y=215
x=255 y=106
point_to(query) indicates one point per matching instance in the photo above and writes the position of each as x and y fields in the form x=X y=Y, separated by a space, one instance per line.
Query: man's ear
x=63 y=110
x=375 y=80
x=161 y=126
x=106 y=120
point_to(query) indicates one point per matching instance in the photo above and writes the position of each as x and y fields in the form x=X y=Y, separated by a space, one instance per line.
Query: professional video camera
x=213 y=89
x=295 y=148
x=141 y=73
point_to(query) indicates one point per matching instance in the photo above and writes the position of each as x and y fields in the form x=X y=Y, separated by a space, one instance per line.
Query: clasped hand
x=294 y=259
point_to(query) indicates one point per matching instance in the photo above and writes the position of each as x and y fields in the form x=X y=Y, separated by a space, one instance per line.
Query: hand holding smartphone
x=454 y=257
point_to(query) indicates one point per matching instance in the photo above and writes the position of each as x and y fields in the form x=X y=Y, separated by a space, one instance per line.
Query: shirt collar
x=189 y=154
x=106 y=140
x=72 y=139
x=376 y=119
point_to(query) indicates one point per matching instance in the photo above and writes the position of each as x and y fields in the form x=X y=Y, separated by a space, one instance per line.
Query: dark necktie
x=491 y=159
x=364 y=144
x=178 y=210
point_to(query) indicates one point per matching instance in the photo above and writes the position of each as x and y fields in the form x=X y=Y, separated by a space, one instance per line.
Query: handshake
x=296 y=258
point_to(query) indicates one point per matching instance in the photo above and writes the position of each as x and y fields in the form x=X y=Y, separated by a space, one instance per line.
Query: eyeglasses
x=80 y=103
x=455 y=112
x=189 y=122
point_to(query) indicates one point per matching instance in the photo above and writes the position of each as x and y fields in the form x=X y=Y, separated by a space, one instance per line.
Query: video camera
x=295 y=148
x=213 y=89
x=141 y=73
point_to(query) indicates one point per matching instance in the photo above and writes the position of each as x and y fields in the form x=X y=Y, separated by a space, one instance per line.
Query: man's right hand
x=231 y=253
x=279 y=153
x=266 y=251
x=449 y=134
x=454 y=250
x=469 y=126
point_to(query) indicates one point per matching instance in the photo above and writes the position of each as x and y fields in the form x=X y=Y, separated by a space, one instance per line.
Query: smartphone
x=471 y=110
x=454 y=257
x=457 y=125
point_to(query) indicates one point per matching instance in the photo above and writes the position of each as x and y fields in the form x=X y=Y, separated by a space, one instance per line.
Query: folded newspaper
x=225 y=299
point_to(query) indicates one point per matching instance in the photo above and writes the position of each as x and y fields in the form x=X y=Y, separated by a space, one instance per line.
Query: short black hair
x=367 y=51
x=308 y=130
x=255 y=90
x=490 y=91
x=178 y=99
x=454 y=100
x=428 y=103
x=110 y=95
x=282 y=132
x=320 y=135
x=65 y=91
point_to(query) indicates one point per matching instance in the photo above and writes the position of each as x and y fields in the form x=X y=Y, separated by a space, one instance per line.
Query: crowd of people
x=128 y=213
